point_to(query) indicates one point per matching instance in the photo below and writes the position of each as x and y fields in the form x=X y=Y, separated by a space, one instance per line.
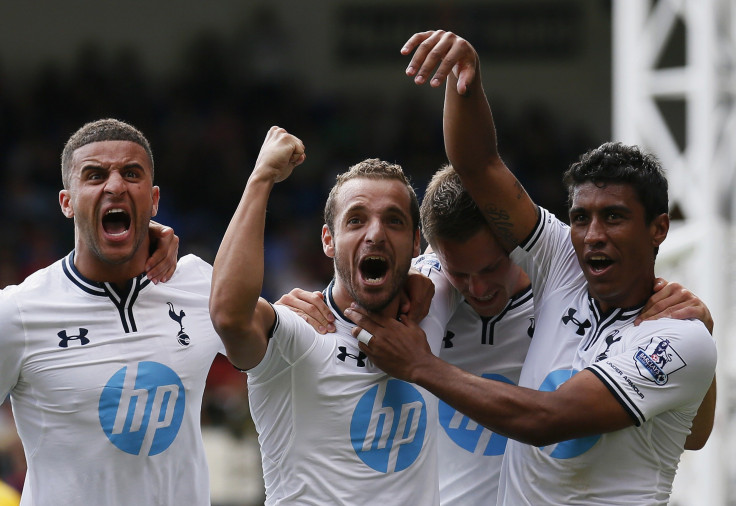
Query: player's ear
x=417 y=243
x=659 y=228
x=328 y=244
x=65 y=202
x=155 y=195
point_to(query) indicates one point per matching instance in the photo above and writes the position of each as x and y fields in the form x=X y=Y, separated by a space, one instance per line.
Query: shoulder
x=427 y=263
x=688 y=329
x=192 y=274
x=289 y=323
x=191 y=262
x=688 y=339
x=39 y=281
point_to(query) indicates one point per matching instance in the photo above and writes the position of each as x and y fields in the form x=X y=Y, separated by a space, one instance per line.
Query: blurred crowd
x=206 y=122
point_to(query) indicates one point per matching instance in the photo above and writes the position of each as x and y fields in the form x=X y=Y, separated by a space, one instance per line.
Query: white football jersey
x=470 y=455
x=335 y=429
x=106 y=385
x=659 y=371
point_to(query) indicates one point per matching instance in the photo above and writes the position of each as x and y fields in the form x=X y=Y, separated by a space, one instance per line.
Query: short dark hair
x=447 y=211
x=614 y=162
x=372 y=168
x=98 y=131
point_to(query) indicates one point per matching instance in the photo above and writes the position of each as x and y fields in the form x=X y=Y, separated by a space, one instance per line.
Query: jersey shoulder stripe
x=619 y=394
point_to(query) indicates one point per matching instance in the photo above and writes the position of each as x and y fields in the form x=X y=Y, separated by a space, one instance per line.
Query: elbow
x=695 y=444
x=228 y=325
x=696 y=440
x=539 y=437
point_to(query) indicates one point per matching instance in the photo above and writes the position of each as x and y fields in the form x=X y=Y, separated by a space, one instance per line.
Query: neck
x=95 y=267
x=630 y=299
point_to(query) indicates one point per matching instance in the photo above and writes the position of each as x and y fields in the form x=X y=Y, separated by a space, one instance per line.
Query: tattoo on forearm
x=501 y=222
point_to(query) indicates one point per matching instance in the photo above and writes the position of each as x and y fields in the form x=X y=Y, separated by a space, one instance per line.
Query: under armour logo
x=180 y=336
x=530 y=330
x=447 y=340
x=609 y=341
x=81 y=337
x=359 y=358
x=581 y=325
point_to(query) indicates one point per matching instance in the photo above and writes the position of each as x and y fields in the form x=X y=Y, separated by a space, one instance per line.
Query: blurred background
x=205 y=81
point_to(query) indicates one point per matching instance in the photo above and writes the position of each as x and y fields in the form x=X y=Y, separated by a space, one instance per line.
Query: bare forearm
x=526 y=415
x=237 y=276
x=507 y=410
x=470 y=134
x=470 y=143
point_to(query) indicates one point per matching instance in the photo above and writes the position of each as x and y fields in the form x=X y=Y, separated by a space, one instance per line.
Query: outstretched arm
x=470 y=134
x=242 y=319
x=400 y=348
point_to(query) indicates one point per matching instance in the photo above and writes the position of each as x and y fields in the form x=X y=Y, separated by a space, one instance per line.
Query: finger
x=404 y=302
x=315 y=306
x=299 y=153
x=360 y=318
x=670 y=310
x=414 y=41
x=297 y=158
x=665 y=296
x=419 y=59
x=659 y=283
x=466 y=76
x=315 y=324
x=310 y=304
x=156 y=272
x=364 y=336
x=435 y=50
x=451 y=49
x=161 y=265
x=168 y=274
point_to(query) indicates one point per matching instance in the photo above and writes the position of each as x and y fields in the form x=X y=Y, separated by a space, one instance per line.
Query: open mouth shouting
x=598 y=263
x=116 y=222
x=373 y=270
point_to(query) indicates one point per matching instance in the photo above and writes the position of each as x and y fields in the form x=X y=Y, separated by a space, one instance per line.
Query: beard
x=383 y=296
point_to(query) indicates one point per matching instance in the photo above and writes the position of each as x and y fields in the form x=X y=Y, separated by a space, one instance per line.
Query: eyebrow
x=389 y=210
x=96 y=166
x=617 y=208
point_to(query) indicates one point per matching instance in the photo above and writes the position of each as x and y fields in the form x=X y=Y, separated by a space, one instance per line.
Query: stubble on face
x=117 y=241
x=372 y=300
x=373 y=242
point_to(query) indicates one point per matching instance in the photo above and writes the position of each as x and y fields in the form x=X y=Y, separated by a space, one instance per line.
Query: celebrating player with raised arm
x=596 y=388
x=333 y=428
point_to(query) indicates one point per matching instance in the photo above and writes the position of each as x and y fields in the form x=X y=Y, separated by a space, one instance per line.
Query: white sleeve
x=667 y=365
x=290 y=340
x=12 y=342
x=547 y=255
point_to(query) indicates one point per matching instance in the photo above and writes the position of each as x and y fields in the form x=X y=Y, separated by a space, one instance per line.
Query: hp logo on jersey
x=389 y=425
x=573 y=447
x=141 y=408
x=469 y=434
